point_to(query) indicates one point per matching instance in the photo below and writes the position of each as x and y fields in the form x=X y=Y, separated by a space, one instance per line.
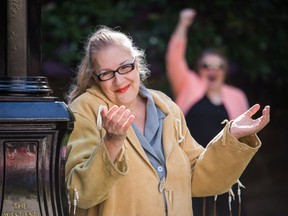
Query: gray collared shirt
x=151 y=140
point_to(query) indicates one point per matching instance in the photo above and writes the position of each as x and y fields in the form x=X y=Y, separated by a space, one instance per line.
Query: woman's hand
x=187 y=16
x=116 y=122
x=245 y=125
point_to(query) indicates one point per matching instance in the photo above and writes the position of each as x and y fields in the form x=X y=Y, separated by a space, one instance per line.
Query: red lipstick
x=122 y=90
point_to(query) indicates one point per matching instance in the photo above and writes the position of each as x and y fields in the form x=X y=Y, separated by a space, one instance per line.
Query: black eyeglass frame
x=132 y=64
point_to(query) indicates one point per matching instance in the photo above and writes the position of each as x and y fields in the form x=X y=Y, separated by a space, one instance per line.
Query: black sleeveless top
x=204 y=120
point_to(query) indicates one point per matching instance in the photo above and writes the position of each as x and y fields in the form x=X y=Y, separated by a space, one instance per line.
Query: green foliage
x=253 y=34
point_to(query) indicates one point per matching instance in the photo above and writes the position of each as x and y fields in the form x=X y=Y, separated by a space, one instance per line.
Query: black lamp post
x=34 y=126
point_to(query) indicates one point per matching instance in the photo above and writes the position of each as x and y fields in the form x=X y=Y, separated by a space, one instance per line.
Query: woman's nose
x=118 y=78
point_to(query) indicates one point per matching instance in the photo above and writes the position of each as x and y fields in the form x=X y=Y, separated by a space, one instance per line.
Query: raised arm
x=177 y=68
x=186 y=18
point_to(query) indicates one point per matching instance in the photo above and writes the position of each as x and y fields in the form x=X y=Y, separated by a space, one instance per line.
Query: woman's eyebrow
x=122 y=63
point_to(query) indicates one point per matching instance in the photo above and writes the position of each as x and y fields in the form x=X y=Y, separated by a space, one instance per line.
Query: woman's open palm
x=245 y=125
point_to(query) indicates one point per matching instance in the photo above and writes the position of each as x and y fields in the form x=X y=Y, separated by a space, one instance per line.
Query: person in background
x=130 y=152
x=202 y=95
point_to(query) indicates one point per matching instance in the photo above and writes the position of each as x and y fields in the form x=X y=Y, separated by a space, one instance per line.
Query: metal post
x=17 y=38
x=34 y=126
x=23 y=38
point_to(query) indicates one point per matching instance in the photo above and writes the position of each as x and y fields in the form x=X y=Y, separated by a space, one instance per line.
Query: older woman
x=130 y=152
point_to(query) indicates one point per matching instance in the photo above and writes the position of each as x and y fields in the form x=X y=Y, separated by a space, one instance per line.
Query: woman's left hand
x=245 y=125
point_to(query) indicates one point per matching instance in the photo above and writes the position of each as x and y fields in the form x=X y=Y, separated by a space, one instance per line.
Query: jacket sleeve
x=88 y=171
x=217 y=167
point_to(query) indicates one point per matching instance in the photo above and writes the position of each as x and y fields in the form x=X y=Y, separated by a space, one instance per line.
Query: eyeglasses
x=212 y=66
x=124 y=69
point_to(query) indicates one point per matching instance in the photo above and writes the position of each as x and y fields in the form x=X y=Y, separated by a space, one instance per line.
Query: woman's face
x=213 y=70
x=122 y=89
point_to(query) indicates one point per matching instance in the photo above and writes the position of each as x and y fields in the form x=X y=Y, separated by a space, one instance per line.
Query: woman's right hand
x=187 y=16
x=116 y=122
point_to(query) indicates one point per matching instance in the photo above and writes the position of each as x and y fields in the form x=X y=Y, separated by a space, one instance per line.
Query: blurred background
x=253 y=34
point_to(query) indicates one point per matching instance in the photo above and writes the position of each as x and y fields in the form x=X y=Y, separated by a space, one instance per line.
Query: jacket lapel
x=168 y=135
x=134 y=142
x=168 y=132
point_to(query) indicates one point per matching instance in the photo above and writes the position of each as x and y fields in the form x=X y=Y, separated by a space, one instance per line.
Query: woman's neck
x=214 y=95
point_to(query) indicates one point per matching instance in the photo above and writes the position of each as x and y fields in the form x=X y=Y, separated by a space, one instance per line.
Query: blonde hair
x=101 y=39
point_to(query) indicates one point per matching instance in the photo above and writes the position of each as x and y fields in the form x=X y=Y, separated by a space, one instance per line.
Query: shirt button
x=160 y=168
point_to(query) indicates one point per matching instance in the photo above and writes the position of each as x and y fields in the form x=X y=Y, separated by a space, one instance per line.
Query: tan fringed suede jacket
x=130 y=186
